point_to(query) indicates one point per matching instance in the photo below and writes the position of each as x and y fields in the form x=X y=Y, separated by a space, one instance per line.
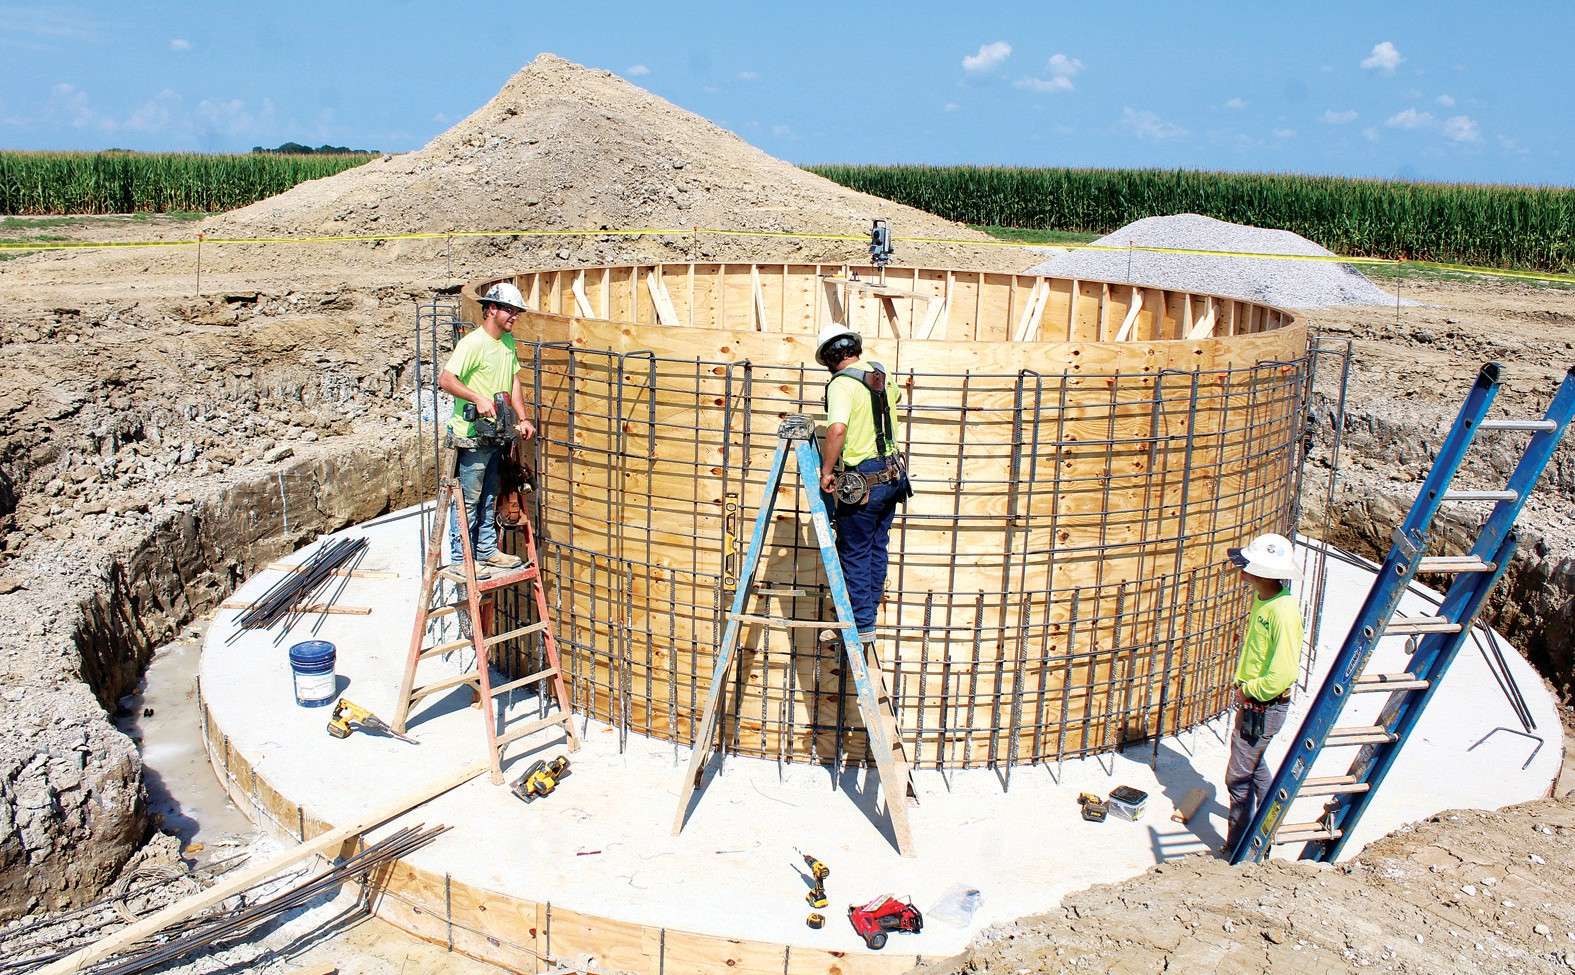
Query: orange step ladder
x=472 y=619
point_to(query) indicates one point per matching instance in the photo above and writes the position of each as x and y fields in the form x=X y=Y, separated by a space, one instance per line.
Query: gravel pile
x=1289 y=284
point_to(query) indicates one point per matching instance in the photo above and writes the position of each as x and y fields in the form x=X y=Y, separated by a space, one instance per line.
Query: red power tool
x=883 y=915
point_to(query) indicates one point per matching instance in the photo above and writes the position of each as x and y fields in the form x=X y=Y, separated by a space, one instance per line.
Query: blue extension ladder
x=1441 y=636
x=796 y=435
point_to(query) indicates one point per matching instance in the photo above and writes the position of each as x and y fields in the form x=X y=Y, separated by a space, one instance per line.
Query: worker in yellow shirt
x=861 y=467
x=1271 y=651
x=483 y=364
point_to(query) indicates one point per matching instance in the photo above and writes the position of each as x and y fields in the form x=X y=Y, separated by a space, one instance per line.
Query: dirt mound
x=562 y=146
x=1466 y=891
x=1290 y=284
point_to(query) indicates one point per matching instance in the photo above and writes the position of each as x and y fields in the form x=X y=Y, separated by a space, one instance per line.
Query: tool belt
x=853 y=487
x=1255 y=717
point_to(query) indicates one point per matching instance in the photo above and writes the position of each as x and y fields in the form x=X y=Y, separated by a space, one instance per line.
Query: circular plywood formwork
x=1082 y=454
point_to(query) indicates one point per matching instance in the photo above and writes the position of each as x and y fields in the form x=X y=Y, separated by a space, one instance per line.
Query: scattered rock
x=278 y=453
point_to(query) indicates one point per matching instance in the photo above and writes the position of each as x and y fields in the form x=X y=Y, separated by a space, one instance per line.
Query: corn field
x=131 y=182
x=1485 y=226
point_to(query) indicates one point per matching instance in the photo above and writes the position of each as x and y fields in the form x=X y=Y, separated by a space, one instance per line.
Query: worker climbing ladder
x=1436 y=639
x=796 y=435
x=473 y=619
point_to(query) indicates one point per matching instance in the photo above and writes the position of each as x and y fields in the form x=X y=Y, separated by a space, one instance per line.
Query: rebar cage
x=1058 y=585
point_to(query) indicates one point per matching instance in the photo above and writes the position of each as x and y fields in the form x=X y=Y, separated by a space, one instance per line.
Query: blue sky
x=1446 y=90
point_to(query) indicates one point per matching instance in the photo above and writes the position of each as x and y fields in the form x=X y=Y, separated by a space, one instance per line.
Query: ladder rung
x=1359 y=735
x=1368 y=683
x=496 y=581
x=1304 y=833
x=779 y=622
x=1479 y=496
x=446 y=683
x=1455 y=563
x=780 y=591
x=533 y=678
x=1533 y=426
x=442 y=648
x=1408 y=625
x=493 y=641
x=532 y=728
x=442 y=611
x=1332 y=785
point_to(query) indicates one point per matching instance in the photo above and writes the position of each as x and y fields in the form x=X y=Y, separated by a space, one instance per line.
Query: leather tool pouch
x=1254 y=718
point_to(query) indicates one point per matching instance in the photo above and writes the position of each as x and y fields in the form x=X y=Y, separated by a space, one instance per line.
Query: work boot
x=503 y=560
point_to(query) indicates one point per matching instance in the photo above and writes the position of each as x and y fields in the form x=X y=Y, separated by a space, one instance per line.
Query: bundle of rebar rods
x=195 y=934
x=70 y=930
x=301 y=583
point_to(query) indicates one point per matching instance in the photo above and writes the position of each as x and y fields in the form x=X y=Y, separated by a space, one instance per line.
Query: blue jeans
x=863 y=538
x=479 y=474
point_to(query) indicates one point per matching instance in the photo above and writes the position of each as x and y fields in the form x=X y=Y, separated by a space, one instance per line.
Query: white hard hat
x=830 y=332
x=504 y=293
x=1268 y=556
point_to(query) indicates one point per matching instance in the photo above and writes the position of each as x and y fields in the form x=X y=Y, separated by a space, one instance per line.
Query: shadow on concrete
x=1177 y=777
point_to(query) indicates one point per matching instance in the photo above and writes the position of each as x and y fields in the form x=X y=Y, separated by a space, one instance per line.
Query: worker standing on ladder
x=861 y=467
x=1270 y=658
x=484 y=363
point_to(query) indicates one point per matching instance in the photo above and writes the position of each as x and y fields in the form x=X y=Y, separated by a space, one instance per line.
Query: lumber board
x=350 y=573
x=329 y=609
x=242 y=879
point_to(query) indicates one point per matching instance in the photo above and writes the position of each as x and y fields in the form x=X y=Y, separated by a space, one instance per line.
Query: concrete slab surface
x=601 y=844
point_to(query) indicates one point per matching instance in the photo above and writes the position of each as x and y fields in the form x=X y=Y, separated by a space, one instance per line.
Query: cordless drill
x=819 y=872
x=498 y=428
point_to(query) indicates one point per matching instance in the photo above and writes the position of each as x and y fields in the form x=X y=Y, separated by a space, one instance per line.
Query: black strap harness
x=874 y=380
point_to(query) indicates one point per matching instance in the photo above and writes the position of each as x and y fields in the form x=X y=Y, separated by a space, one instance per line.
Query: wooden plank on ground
x=239 y=880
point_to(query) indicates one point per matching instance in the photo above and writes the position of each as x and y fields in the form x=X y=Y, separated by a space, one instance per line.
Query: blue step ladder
x=796 y=436
x=1436 y=639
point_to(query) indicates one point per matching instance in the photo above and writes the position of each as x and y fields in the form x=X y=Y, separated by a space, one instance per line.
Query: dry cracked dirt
x=157 y=446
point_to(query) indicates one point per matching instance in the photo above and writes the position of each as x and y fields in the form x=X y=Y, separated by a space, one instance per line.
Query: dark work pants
x=863 y=537
x=1247 y=776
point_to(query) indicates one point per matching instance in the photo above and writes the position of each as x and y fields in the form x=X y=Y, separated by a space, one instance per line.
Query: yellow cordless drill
x=819 y=872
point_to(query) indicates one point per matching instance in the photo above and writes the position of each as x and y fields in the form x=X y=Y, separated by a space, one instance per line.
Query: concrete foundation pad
x=592 y=870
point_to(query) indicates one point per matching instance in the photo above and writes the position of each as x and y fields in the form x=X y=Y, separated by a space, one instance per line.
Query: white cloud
x=990 y=56
x=1462 y=128
x=71 y=102
x=781 y=131
x=233 y=117
x=637 y=71
x=1062 y=70
x=179 y=44
x=1513 y=146
x=440 y=118
x=950 y=107
x=1448 y=101
x=157 y=114
x=1385 y=57
x=1283 y=134
x=1409 y=119
x=1236 y=104
x=1370 y=133
x=1331 y=117
x=1146 y=125
x=749 y=76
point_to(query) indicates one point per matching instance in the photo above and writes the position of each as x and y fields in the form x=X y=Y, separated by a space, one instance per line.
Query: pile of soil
x=560 y=147
x=1289 y=284
x=1465 y=891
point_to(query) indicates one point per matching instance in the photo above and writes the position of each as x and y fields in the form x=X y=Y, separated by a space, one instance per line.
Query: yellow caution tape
x=789 y=235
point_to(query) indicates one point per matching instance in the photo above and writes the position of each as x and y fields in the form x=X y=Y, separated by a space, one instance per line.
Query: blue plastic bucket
x=312 y=663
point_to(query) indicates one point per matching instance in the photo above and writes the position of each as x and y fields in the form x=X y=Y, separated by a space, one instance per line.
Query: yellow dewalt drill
x=348 y=716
